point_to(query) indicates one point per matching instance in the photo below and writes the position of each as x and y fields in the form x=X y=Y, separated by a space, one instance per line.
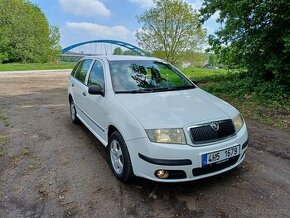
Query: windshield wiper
x=133 y=91
x=154 y=90
x=145 y=90
x=182 y=87
x=159 y=90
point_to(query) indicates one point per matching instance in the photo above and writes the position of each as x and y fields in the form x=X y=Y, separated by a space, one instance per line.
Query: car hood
x=176 y=109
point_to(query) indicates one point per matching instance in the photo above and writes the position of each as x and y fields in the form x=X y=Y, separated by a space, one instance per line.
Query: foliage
x=170 y=29
x=118 y=51
x=194 y=59
x=35 y=66
x=265 y=102
x=213 y=60
x=25 y=34
x=238 y=84
x=254 y=35
x=204 y=74
x=130 y=52
x=54 y=39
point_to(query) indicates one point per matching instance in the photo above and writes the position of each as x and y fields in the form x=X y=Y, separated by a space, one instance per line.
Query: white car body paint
x=131 y=114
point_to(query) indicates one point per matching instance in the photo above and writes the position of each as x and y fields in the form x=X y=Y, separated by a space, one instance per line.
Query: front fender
x=124 y=121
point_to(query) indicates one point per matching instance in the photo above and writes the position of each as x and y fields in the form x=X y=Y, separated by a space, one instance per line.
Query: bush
x=238 y=84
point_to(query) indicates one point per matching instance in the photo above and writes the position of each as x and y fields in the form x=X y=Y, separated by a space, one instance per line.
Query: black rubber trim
x=245 y=144
x=243 y=154
x=164 y=162
x=215 y=167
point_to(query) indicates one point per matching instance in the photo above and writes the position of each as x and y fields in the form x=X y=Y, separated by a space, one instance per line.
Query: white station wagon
x=154 y=121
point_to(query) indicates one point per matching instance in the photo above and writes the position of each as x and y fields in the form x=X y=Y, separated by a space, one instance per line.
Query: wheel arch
x=112 y=128
x=70 y=98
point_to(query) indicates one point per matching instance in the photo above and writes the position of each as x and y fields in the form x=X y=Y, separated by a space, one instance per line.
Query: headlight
x=170 y=136
x=238 y=122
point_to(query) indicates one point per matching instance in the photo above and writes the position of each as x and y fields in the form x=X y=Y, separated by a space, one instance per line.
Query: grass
x=203 y=74
x=236 y=88
x=3 y=140
x=25 y=151
x=4 y=119
x=36 y=66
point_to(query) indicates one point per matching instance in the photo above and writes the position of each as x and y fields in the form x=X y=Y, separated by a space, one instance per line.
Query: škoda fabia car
x=154 y=121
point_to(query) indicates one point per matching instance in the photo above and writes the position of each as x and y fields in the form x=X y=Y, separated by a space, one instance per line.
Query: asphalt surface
x=52 y=168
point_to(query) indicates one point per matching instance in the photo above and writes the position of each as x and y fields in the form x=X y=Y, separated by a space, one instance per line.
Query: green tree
x=54 y=46
x=129 y=52
x=195 y=59
x=254 y=35
x=25 y=34
x=213 y=60
x=118 y=51
x=170 y=29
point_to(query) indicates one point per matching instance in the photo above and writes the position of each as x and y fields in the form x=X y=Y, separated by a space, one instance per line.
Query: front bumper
x=185 y=160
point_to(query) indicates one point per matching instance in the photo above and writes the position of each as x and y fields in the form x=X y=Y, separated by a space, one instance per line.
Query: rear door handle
x=84 y=93
x=73 y=85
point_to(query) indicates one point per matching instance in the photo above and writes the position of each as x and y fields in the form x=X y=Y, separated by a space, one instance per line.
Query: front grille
x=206 y=133
x=215 y=167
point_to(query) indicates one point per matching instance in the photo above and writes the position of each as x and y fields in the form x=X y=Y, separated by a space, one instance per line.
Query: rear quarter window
x=75 y=68
x=82 y=70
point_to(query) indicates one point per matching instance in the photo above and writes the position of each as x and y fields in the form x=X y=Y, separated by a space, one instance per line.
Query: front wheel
x=119 y=157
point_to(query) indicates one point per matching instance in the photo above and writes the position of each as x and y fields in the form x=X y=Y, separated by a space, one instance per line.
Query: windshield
x=146 y=76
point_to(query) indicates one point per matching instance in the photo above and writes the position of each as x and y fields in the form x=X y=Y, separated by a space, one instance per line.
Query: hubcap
x=116 y=156
x=72 y=111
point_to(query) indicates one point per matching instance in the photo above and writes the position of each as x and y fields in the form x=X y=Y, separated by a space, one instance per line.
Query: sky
x=83 y=20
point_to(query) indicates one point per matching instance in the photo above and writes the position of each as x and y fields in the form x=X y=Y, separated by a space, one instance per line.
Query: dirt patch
x=51 y=167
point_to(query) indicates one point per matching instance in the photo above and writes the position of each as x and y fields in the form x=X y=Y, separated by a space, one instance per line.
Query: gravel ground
x=52 y=168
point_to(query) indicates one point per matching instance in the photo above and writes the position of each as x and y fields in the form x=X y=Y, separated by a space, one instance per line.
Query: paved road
x=51 y=167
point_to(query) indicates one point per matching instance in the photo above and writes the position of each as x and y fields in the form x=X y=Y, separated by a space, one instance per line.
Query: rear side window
x=82 y=70
x=97 y=75
x=75 y=68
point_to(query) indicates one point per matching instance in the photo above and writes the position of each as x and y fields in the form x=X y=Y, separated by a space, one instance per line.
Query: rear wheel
x=120 y=161
x=73 y=113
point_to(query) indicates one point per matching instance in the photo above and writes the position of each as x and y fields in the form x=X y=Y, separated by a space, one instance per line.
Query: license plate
x=219 y=156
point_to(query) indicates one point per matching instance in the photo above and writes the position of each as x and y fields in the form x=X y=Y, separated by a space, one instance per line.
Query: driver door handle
x=84 y=93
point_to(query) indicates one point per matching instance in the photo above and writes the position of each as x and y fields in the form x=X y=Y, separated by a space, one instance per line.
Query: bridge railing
x=66 y=57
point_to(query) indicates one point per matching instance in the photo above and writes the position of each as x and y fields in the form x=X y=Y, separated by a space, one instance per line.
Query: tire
x=119 y=158
x=73 y=112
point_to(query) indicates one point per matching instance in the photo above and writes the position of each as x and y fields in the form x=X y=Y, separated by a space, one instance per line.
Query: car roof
x=123 y=57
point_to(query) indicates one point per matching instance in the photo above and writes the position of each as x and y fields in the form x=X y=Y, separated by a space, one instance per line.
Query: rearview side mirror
x=95 y=90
